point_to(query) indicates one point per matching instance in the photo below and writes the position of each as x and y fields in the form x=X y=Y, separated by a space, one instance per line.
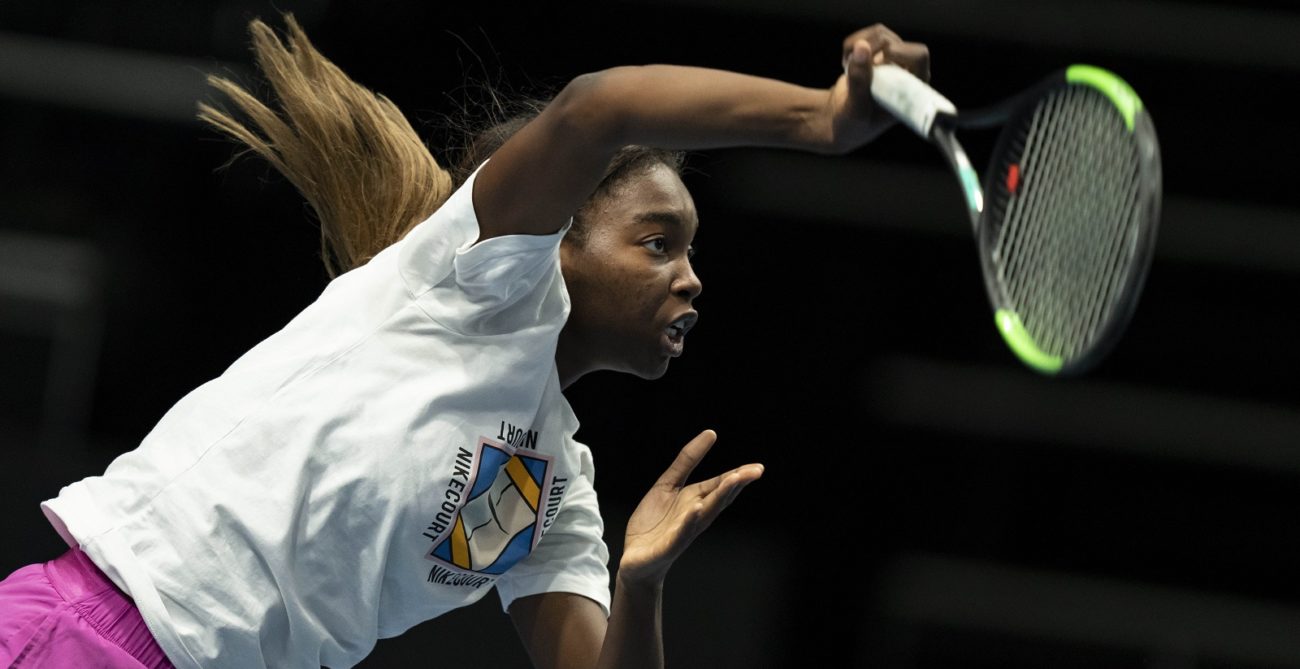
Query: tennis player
x=403 y=445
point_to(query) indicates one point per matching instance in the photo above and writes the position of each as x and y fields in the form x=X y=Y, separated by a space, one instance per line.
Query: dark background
x=928 y=501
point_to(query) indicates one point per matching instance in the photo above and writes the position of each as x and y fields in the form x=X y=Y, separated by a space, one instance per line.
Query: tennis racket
x=1066 y=213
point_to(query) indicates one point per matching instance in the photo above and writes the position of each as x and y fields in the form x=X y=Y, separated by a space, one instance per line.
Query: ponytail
x=349 y=151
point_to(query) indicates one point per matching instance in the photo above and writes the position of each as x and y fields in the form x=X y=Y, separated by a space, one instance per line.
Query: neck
x=570 y=363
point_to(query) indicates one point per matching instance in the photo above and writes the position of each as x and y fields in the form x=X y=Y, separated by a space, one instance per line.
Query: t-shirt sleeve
x=467 y=285
x=571 y=557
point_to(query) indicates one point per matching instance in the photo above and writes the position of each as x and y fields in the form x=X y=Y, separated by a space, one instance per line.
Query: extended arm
x=543 y=174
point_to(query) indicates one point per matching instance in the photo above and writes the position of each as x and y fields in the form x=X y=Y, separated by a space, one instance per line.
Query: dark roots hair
x=355 y=157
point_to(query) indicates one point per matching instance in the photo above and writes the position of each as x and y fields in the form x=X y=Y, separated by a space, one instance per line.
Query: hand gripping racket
x=1067 y=211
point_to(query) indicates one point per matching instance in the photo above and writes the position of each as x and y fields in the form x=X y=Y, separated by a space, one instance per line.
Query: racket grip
x=909 y=99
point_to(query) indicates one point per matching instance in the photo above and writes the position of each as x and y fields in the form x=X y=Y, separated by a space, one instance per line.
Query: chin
x=656 y=374
x=653 y=371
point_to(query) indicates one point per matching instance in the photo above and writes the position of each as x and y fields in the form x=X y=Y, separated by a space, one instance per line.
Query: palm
x=661 y=527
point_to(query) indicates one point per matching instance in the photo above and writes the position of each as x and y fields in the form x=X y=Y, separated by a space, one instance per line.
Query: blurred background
x=928 y=501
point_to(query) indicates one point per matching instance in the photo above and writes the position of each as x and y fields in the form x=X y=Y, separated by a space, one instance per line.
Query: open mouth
x=681 y=326
x=675 y=333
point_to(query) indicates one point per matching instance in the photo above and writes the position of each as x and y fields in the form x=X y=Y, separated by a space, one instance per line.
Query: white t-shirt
x=398 y=449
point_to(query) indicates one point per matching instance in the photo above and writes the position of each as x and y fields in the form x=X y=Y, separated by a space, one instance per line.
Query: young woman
x=403 y=445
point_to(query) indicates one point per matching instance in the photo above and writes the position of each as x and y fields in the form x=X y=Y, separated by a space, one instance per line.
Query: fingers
x=719 y=492
x=883 y=45
x=912 y=56
x=857 y=69
x=878 y=36
x=680 y=470
x=735 y=481
x=712 y=495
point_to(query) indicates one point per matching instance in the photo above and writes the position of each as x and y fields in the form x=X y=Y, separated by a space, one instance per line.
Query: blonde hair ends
x=350 y=152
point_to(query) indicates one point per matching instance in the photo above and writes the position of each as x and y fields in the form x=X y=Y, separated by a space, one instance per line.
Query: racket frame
x=936 y=120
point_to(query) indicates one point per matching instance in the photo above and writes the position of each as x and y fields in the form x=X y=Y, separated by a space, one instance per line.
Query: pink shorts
x=67 y=613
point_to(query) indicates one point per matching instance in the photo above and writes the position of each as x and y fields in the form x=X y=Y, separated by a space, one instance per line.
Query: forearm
x=634 y=638
x=675 y=107
x=547 y=170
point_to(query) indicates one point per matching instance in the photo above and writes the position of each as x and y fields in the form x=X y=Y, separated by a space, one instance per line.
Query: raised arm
x=543 y=174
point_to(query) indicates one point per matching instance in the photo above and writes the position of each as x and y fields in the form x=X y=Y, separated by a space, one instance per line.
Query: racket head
x=1071 y=206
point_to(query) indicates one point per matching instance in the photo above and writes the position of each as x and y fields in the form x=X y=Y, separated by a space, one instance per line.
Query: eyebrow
x=664 y=217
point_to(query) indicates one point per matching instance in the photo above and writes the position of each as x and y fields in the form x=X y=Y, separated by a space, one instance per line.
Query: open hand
x=673 y=513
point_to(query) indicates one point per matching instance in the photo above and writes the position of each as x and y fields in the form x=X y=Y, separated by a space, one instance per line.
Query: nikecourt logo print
x=497 y=523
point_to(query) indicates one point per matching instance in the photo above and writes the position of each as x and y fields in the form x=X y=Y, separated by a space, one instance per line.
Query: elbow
x=595 y=106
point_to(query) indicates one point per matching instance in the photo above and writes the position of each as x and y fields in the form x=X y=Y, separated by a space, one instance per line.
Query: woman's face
x=631 y=282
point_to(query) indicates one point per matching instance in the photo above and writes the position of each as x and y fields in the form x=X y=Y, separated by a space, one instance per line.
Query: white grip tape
x=908 y=98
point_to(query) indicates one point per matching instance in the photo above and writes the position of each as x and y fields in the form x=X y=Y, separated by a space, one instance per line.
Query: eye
x=658 y=245
x=690 y=252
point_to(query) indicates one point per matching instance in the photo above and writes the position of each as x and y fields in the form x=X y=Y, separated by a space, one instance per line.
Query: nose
x=687 y=285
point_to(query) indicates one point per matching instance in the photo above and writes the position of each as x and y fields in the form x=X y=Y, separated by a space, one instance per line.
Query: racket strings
x=1067 y=268
x=1068 y=233
x=1120 y=244
x=1023 y=248
x=1099 y=269
x=1118 y=217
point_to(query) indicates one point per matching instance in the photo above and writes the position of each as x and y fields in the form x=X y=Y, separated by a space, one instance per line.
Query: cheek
x=619 y=296
x=638 y=292
x=594 y=294
x=613 y=293
x=622 y=299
